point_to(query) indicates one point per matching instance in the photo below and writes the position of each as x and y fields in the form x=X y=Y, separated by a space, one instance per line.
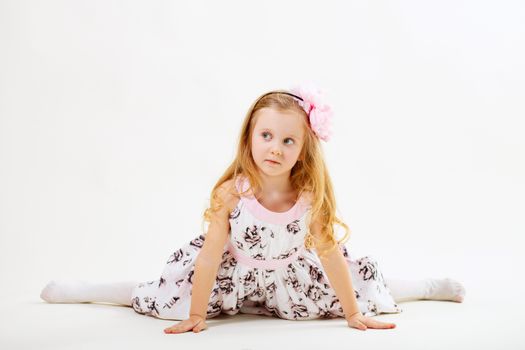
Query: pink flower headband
x=318 y=111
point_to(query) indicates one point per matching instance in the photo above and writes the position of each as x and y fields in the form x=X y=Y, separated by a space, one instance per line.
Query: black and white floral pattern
x=299 y=291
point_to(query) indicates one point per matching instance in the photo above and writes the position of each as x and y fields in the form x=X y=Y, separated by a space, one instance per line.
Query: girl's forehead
x=286 y=121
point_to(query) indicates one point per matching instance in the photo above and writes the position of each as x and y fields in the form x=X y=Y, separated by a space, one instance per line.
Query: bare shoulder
x=228 y=195
x=315 y=227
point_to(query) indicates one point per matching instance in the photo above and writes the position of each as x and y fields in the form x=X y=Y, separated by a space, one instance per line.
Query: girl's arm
x=339 y=275
x=210 y=256
x=207 y=264
x=338 y=272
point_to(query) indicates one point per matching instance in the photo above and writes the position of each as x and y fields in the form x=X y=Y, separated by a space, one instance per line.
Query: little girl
x=270 y=246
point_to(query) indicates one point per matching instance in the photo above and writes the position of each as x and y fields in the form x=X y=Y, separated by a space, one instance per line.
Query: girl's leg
x=426 y=289
x=83 y=292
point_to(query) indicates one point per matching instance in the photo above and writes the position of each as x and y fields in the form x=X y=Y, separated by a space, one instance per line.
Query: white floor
x=118 y=117
x=482 y=321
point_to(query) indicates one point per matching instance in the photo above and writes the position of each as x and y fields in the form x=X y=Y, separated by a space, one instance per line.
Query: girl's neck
x=276 y=193
x=276 y=184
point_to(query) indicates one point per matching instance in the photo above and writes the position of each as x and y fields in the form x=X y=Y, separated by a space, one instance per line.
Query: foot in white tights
x=426 y=289
x=445 y=289
x=84 y=292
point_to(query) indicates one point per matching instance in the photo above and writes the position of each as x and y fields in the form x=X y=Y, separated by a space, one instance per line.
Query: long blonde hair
x=309 y=175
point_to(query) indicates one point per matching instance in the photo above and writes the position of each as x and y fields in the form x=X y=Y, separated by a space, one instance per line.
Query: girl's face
x=277 y=140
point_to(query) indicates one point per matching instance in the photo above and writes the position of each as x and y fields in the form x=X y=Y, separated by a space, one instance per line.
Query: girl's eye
x=266 y=135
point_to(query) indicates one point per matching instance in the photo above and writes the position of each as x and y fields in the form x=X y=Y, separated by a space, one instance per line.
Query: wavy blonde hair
x=308 y=176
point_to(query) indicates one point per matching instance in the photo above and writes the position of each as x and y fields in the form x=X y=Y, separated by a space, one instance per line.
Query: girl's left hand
x=361 y=322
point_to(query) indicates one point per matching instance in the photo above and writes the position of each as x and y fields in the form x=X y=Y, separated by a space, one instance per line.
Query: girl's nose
x=276 y=152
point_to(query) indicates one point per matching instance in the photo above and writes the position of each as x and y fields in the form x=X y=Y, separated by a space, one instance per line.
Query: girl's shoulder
x=306 y=197
x=228 y=194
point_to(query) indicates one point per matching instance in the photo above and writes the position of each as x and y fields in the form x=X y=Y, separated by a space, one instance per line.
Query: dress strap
x=239 y=183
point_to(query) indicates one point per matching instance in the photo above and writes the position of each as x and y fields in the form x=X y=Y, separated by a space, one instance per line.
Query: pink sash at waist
x=269 y=264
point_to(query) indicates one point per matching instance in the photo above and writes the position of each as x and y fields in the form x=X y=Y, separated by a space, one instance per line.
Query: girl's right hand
x=194 y=323
x=357 y=320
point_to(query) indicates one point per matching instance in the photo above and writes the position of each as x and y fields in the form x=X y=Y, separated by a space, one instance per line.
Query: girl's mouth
x=272 y=162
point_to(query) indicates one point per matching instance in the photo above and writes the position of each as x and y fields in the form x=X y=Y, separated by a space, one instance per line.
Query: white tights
x=120 y=292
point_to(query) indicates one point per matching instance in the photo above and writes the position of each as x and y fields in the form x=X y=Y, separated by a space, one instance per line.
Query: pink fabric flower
x=318 y=111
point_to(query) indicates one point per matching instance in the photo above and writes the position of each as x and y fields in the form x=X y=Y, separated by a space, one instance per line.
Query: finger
x=188 y=327
x=174 y=329
x=199 y=327
x=178 y=328
x=363 y=326
x=386 y=325
x=359 y=325
x=170 y=329
x=380 y=325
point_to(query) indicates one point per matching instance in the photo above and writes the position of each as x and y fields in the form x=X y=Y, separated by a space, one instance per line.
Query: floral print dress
x=265 y=270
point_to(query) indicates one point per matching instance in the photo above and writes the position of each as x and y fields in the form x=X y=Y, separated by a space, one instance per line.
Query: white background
x=118 y=117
